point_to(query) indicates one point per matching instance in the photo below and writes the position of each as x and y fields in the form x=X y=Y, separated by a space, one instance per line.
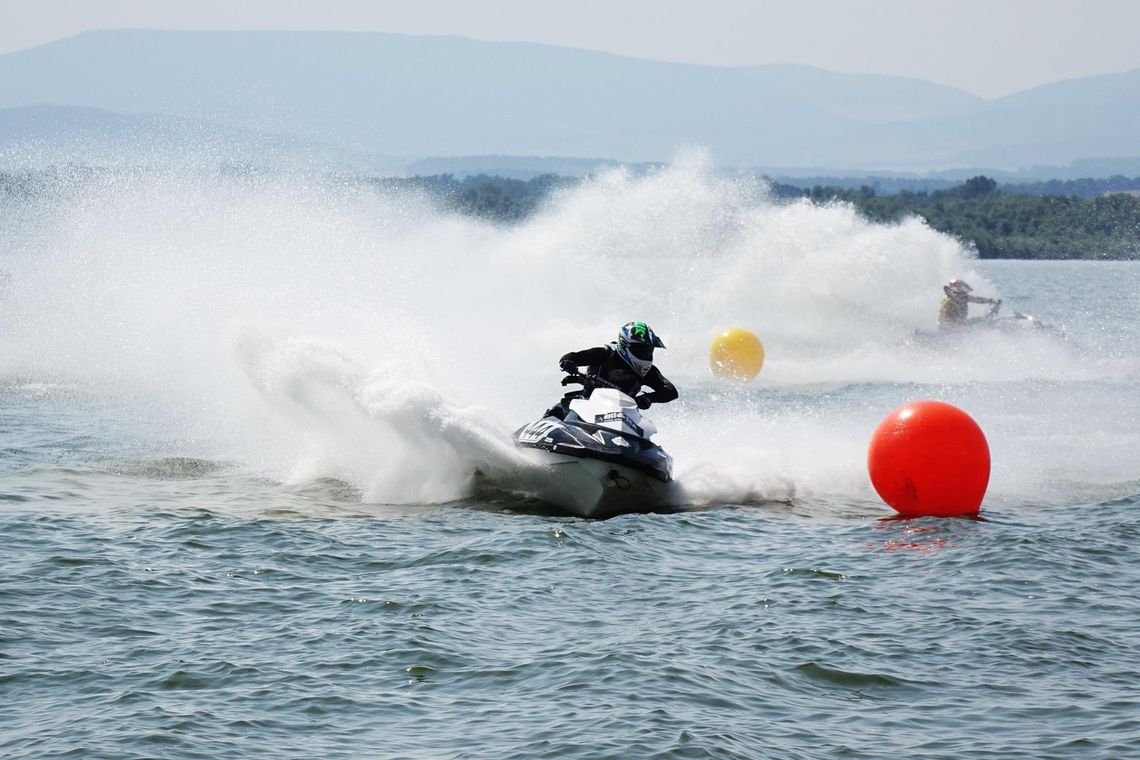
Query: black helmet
x=635 y=345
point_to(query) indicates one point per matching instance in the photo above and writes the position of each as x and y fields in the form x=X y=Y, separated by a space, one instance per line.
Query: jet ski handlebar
x=588 y=382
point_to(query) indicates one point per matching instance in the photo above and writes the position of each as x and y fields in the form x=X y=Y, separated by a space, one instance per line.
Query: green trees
x=1000 y=224
x=975 y=187
x=497 y=199
x=1005 y=225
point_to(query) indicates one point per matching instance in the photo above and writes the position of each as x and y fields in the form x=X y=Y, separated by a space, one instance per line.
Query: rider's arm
x=979 y=299
x=586 y=358
x=663 y=390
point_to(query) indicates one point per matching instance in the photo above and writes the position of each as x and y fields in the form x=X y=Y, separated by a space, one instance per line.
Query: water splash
x=315 y=326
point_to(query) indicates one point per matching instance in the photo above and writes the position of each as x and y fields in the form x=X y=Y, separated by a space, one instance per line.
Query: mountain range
x=379 y=102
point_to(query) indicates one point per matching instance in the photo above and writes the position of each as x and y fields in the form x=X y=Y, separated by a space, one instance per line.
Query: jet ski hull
x=591 y=470
x=593 y=488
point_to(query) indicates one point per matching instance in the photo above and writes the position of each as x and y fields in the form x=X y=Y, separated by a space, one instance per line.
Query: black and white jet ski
x=599 y=460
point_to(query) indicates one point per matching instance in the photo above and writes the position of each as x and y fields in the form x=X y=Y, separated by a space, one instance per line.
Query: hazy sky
x=989 y=47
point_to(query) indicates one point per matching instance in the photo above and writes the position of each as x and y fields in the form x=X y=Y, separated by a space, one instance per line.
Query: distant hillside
x=32 y=136
x=397 y=99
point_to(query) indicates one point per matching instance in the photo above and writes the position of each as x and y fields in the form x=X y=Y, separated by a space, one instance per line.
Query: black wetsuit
x=606 y=364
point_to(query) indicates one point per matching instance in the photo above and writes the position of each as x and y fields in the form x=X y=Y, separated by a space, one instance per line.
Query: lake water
x=239 y=418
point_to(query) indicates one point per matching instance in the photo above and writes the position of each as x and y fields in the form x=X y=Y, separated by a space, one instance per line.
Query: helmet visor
x=643 y=351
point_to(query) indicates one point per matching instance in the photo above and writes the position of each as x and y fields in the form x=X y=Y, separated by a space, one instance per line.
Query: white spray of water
x=316 y=327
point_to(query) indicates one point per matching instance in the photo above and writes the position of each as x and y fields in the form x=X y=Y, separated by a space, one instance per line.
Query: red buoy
x=929 y=459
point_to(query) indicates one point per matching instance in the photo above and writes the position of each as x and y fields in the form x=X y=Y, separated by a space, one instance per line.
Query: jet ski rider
x=626 y=364
x=955 y=307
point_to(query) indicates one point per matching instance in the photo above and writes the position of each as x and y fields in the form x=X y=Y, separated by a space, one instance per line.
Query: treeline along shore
x=1003 y=224
x=1021 y=221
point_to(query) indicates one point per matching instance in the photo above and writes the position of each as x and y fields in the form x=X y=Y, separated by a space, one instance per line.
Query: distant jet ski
x=599 y=461
x=1014 y=323
x=1019 y=321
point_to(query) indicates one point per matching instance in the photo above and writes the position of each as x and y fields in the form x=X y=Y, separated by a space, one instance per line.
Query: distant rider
x=626 y=364
x=954 y=310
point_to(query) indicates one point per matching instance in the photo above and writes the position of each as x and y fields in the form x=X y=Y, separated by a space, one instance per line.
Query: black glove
x=568 y=367
x=572 y=379
x=643 y=401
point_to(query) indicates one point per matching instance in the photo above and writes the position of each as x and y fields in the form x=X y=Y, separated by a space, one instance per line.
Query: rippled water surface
x=461 y=631
x=228 y=539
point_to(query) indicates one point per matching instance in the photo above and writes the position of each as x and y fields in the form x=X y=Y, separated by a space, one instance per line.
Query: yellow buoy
x=736 y=354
